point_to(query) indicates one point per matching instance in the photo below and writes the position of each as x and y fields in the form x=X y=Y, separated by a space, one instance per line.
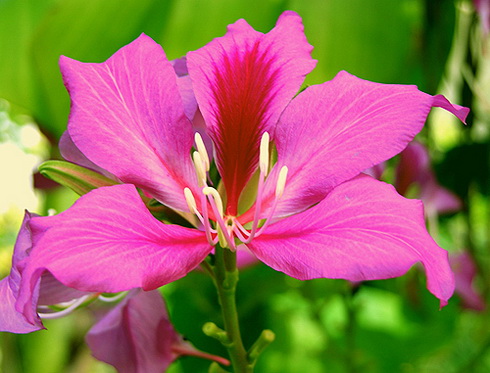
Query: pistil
x=224 y=230
x=264 y=168
x=191 y=202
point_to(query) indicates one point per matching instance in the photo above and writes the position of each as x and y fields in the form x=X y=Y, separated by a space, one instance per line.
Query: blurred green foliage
x=321 y=325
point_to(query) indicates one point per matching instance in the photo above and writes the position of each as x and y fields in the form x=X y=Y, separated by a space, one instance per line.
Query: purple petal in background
x=465 y=272
x=136 y=335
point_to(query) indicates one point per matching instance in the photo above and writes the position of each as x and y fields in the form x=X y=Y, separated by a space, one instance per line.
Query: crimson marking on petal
x=244 y=87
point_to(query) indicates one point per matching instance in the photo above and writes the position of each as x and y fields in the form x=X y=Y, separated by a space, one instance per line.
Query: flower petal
x=465 y=272
x=362 y=230
x=109 y=242
x=136 y=335
x=10 y=319
x=127 y=117
x=414 y=167
x=242 y=83
x=333 y=131
x=441 y=200
x=185 y=86
x=71 y=153
x=51 y=291
x=46 y=289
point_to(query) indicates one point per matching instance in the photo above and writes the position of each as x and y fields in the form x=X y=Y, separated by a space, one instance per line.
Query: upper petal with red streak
x=243 y=81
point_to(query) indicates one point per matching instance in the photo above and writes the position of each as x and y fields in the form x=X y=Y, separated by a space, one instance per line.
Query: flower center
x=227 y=229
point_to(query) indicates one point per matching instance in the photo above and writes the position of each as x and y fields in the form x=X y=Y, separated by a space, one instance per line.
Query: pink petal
x=362 y=230
x=128 y=118
x=465 y=271
x=441 y=200
x=71 y=153
x=483 y=9
x=242 y=83
x=185 y=86
x=333 y=131
x=245 y=258
x=51 y=291
x=415 y=167
x=135 y=336
x=47 y=290
x=10 y=319
x=376 y=171
x=109 y=242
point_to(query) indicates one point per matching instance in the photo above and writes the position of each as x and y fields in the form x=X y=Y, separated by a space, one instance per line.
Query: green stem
x=226 y=279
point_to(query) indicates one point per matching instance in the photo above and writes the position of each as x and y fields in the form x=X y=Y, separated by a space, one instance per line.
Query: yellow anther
x=200 y=168
x=281 y=181
x=217 y=198
x=201 y=148
x=264 y=154
x=191 y=201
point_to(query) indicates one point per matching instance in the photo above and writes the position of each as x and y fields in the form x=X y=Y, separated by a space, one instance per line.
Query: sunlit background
x=321 y=325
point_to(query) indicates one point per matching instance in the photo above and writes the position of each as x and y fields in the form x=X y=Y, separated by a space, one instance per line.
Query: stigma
x=218 y=226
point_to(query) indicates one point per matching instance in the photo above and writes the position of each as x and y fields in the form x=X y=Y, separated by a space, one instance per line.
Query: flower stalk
x=226 y=279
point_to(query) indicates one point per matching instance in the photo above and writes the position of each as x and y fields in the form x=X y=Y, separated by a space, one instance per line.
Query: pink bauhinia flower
x=290 y=189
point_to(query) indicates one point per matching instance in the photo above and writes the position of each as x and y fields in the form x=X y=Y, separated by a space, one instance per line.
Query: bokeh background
x=322 y=325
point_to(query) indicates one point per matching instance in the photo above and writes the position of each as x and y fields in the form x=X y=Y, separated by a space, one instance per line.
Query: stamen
x=240 y=232
x=224 y=235
x=217 y=199
x=114 y=298
x=205 y=222
x=191 y=201
x=200 y=168
x=258 y=208
x=281 y=181
x=264 y=154
x=73 y=305
x=201 y=148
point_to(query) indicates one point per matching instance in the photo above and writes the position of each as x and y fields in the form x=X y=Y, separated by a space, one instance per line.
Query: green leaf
x=77 y=178
x=19 y=20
